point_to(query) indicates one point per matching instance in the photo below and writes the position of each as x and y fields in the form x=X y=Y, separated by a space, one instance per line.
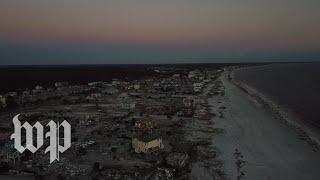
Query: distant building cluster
x=113 y=121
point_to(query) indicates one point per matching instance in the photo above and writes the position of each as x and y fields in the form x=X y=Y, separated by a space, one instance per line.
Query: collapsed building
x=8 y=154
x=197 y=87
x=187 y=102
x=146 y=139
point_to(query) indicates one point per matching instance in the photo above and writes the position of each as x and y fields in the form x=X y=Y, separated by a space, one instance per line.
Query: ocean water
x=295 y=86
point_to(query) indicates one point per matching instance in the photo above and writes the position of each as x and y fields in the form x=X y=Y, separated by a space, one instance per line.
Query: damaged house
x=147 y=143
x=146 y=139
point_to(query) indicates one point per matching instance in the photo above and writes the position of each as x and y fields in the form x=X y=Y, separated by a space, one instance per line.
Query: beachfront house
x=147 y=143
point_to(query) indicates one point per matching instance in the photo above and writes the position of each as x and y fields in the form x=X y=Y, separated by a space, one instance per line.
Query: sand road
x=264 y=147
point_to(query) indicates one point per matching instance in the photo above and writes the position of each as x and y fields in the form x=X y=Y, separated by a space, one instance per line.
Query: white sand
x=271 y=148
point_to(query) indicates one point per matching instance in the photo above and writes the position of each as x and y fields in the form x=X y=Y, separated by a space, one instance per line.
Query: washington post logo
x=54 y=147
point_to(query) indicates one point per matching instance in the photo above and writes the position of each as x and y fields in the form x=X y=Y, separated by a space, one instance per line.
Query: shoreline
x=308 y=132
x=257 y=144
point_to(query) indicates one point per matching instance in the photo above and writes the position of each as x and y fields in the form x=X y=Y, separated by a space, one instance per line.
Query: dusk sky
x=163 y=31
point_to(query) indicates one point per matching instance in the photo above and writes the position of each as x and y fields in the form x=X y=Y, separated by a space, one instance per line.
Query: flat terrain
x=106 y=119
x=257 y=145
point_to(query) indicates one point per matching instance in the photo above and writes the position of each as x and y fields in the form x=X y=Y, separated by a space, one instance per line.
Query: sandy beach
x=256 y=144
